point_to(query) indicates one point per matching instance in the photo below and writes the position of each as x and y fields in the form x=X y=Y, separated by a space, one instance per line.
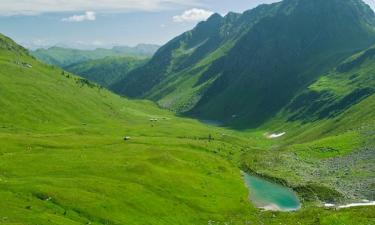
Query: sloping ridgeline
x=340 y=89
x=242 y=69
x=107 y=70
x=102 y=66
x=64 y=57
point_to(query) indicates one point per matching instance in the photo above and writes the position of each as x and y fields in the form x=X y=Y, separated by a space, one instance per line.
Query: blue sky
x=103 y=23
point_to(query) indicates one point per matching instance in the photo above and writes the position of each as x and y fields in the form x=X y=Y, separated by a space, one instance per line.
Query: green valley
x=62 y=155
x=64 y=160
x=219 y=126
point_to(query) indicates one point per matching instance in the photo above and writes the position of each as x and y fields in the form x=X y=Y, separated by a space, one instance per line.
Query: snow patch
x=329 y=205
x=357 y=204
x=363 y=203
x=276 y=135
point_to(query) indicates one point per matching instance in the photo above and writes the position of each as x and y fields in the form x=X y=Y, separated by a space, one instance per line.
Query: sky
x=105 y=23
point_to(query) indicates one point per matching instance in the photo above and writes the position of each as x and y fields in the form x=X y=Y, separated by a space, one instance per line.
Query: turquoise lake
x=271 y=196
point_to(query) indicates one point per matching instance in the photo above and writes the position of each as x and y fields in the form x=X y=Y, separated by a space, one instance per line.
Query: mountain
x=106 y=71
x=64 y=57
x=243 y=69
x=330 y=126
x=143 y=50
x=346 y=85
x=64 y=158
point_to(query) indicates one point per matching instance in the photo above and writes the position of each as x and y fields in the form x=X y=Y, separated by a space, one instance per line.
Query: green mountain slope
x=346 y=85
x=64 y=57
x=63 y=159
x=106 y=71
x=242 y=69
x=329 y=131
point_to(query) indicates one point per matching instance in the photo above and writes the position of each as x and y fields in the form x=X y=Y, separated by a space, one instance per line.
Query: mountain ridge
x=108 y=70
x=64 y=57
x=219 y=69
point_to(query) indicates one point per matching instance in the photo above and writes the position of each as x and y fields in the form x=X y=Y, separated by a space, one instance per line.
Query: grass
x=329 y=147
x=101 y=176
x=333 y=152
x=63 y=159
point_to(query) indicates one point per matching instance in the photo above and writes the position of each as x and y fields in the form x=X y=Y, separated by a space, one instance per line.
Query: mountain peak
x=357 y=7
x=252 y=64
x=215 y=16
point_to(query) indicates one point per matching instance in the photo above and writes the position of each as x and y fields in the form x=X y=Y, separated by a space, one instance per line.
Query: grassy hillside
x=63 y=159
x=64 y=57
x=106 y=71
x=330 y=132
x=242 y=69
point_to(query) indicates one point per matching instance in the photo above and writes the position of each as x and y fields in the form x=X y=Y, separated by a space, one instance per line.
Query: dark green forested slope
x=243 y=69
x=106 y=71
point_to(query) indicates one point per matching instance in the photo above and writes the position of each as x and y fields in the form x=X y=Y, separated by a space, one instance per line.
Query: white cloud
x=35 y=7
x=79 y=18
x=193 y=15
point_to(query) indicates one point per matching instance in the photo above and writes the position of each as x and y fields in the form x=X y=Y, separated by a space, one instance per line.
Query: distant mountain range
x=244 y=69
x=108 y=70
x=103 y=66
x=32 y=46
x=64 y=57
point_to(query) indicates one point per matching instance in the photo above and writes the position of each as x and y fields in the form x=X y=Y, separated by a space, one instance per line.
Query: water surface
x=271 y=196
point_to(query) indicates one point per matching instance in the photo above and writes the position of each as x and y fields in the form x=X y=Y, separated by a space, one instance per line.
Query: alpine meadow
x=264 y=117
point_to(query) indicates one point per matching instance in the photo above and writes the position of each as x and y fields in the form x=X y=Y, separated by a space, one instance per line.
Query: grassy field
x=63 y=159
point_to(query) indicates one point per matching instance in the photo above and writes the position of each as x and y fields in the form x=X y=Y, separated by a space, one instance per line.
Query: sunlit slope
x=39 y=97
x=63 y=159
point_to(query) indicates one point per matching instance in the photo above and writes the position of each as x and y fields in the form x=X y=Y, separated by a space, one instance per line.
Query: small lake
x=271 y=196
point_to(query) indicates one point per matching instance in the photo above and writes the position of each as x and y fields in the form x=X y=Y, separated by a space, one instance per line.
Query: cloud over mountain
x=34 y=7
x=193 y=15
